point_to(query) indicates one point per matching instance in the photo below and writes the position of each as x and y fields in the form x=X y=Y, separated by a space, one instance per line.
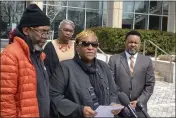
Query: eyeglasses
x=44 y=33
x=86 y=44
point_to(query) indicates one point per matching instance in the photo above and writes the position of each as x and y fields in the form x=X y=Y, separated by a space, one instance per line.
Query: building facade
x=150 y=15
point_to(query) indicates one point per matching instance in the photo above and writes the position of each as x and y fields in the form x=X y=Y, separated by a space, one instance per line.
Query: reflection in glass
x=154 y=22
x=94 y=4
x=127 y=20
x=128 y=6
x=155 y=7
x=76 y=4
x=164 y=24
x=61 y=15
x=10 y=12
x=93 y=18
x=104 y=18
x=141 y=21
x=105 y=4
x=165 y=7
x=59 y=3
x=52 y=11
x=141 y=7
x=77 y=16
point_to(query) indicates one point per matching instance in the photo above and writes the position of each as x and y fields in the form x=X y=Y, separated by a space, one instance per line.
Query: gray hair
x=66 y=21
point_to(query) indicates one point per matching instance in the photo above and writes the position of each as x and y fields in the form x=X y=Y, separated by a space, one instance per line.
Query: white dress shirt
x=128 y=58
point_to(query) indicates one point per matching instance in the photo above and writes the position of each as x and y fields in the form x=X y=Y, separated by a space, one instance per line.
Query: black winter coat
x=69 y=88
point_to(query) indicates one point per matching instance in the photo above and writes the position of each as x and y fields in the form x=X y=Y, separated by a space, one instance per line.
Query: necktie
x=131 y=65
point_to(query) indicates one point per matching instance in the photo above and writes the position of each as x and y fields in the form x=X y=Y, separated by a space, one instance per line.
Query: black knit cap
x=33 y=16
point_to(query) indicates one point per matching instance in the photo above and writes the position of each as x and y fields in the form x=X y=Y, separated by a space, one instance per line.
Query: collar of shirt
x=128 y=55
x=128 y=58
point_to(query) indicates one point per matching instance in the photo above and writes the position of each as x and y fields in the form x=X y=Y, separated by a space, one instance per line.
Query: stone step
x=159 y=78
x=157 y=73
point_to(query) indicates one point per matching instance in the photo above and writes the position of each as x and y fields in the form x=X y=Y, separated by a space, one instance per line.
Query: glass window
x=59 y=16
x=104 y=18
x=59 y=3
x=165 y=7
x=93 y=18
x=154 y=22
x=128 y=6
x=127 y=20
x=94 y=4
x=76 y=4
x=141 y=7
x=164 y=23
x=155 y=7
x=105 y=4
x=10 y=15
x=78 y=17
x=141 y=21
x=53 y=11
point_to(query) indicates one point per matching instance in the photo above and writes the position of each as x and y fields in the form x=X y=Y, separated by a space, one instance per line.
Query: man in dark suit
x=133 y=72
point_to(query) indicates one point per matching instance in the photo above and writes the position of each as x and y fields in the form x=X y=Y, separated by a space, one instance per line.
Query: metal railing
x=156 y=50
x=103 y=54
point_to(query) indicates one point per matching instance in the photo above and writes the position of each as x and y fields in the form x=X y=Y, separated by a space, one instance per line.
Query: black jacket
x=51 y=61
x=69 y=88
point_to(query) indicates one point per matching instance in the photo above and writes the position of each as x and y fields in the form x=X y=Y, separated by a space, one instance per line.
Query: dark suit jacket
x=69 y=87
x=140 y=86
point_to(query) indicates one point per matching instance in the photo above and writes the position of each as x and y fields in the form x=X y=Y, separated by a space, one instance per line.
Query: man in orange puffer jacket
x=24 y=80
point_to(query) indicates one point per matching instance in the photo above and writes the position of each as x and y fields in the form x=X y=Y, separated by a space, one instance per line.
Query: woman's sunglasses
x=87 y=43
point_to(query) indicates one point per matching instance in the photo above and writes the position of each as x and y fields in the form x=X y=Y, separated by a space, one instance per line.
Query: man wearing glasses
x=24 y=80
x=80 y=85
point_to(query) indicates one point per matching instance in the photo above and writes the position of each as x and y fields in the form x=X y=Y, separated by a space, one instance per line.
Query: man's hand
x=88 y=112
x=133 y=104
x=116 y=112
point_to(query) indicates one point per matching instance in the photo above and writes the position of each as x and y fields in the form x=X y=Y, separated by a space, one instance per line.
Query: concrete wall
x=165 y=70
x=114 y=14
x=171 y=27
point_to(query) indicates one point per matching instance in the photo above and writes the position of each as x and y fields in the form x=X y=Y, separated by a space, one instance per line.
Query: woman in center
x=81 y=84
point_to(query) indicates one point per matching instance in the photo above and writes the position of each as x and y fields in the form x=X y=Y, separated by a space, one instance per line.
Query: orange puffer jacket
x=18 y=81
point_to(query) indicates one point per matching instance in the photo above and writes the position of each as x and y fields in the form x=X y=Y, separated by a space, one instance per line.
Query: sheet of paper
x=105 y=111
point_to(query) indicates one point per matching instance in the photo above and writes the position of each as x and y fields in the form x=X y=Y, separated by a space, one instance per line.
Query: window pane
x=104 y=18
x=164 y=24
x=128 y=6
x=77 y=16
x=10 y=15
x=61 y=15
x=127 y=20
x=140 y=21
x=105 y=4
x=53 y=11
x=165 y=8
x=141 y=7
x=94 y=4
x=154 y=22
x=76 y=4
x=93 y=18
x=60 y=3
x=155 y=7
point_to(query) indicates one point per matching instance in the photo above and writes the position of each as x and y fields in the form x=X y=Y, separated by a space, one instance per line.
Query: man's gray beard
x=37 y=47
x=132 y=52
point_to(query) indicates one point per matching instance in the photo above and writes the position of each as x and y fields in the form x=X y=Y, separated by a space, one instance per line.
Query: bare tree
x=12 y=11
x=53 y=8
